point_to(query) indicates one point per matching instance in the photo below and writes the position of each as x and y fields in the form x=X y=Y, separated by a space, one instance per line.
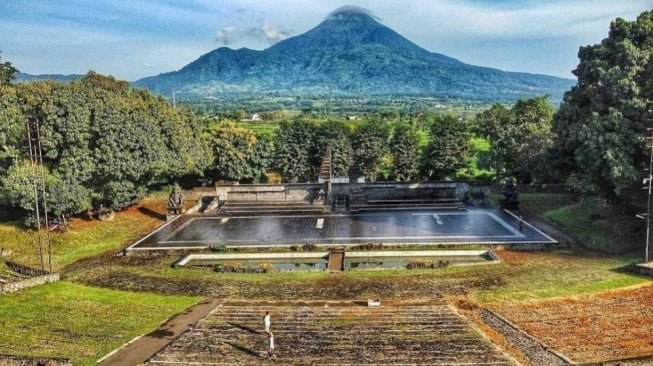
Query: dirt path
x=142 y=348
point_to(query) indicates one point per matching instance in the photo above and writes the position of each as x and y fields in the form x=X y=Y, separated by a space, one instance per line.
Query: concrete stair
x=408 y=204
x=256 y=208
x=434 y=334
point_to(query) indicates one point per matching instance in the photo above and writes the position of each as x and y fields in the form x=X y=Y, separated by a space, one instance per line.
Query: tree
x=103 y=143
x=237 y=152
x=295 y=158
x=334 y=135
x=370 y=144
x=448 y=148
x=18 y=185
x=12 y=127
x=404 y=148
x=7 y=72
x=534 y=138
x=520 y=137
x=601 y=123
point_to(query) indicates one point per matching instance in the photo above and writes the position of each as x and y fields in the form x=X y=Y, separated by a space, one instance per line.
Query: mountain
x=20 y=77
x=349 y=53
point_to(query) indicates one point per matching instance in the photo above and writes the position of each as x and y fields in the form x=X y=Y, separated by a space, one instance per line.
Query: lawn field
x=77 y=322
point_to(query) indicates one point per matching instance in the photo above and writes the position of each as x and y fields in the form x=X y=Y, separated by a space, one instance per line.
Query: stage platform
x=473 y=226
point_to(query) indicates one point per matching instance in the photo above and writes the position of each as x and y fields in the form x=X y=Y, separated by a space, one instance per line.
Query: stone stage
x=473 y=226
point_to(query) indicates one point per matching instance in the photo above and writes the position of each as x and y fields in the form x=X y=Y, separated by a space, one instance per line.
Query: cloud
x=232 y=34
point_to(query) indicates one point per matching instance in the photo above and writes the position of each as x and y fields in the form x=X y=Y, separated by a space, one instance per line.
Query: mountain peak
x=351 y=19
x=350 y=11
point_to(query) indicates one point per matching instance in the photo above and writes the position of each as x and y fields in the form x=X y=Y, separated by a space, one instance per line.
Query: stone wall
x=373 y=191
x=27 y=283
x=391 y=190
x=267 y=192
x=24 y=270
x=9 y=360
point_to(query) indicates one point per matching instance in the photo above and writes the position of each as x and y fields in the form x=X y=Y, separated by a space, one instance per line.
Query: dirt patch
x=606 y=326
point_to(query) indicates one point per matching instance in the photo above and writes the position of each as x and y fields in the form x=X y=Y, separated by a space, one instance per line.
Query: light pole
x=648 y=205
x=649 y=180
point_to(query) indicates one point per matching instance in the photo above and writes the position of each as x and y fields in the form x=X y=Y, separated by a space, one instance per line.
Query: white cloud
x=264 y=32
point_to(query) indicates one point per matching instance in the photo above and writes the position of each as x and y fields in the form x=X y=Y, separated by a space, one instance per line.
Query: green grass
x=538 y=203
x=84 y=240
x=598 y=226
x=559 y=274
x=262 y=129
x=78 y=322
x=542 y=202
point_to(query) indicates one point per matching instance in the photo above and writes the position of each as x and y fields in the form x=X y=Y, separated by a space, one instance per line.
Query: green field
x=78 y=322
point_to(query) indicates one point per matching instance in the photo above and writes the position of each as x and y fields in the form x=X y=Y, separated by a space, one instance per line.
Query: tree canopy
x=7 y=72
x=103 y=143
x=448 y=148
x=602 y=121
x=520 y=138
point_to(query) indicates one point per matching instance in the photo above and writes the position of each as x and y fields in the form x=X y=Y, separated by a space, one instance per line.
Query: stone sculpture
x=175 y=201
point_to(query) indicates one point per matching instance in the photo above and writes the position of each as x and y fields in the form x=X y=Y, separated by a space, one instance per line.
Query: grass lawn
x=78 y=322
x=86 y=237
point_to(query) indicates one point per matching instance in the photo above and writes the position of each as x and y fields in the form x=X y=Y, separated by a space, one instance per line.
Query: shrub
x=309 y=247
x=222 y=247
x=370 y=246
x=427 y=264
x=265 y=268
x=237 y=268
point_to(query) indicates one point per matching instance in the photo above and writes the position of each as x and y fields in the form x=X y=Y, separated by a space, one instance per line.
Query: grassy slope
x=86 y=237
x=78 y=322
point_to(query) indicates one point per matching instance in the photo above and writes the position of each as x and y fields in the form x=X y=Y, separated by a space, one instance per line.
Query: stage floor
x=475 y=226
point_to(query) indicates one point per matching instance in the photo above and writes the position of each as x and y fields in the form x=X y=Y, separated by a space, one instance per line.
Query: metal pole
x=45 y=197
x=648 y=207
x=32 y=156
x=329 y=195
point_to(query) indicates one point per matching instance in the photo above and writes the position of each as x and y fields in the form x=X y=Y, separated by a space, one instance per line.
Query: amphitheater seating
x=333 y=334
x=254 y=208
x=409 y=204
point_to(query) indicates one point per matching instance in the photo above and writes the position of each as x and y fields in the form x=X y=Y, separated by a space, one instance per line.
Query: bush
x=309 y=247
x=265 y=268
x=369 y=246
x=222 y=247
x=237 y=268
x=427 y=264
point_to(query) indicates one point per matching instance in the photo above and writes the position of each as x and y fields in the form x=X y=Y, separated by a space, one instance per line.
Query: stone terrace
x=333 y=333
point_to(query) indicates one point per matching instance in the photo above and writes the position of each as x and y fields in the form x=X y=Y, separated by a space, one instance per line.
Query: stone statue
x=510 y=196
x=175 y=201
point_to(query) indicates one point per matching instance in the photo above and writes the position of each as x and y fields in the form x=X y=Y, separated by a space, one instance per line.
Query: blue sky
x=131 y=39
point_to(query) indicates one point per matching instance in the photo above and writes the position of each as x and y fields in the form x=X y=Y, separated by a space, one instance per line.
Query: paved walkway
x=141 y=349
